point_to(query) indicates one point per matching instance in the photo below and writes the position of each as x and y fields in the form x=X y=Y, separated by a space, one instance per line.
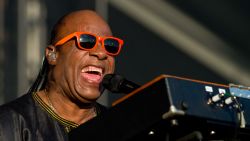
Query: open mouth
x=92 y=73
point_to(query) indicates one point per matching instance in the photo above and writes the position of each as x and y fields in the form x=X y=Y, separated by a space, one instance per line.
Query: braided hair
x=41 y=79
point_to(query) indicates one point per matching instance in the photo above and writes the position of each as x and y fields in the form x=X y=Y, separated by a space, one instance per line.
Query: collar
x=68 y=125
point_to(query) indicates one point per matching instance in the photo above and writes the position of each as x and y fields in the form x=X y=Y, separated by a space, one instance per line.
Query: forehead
x=83 y=21
x=88 y=22
x=95 y=29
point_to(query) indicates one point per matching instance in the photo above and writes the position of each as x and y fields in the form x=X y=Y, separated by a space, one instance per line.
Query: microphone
x=118 y=84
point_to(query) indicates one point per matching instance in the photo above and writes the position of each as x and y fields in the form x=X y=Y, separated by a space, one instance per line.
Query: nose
x=99 y=52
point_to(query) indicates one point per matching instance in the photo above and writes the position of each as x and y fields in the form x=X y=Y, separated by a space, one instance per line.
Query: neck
x=67 y=109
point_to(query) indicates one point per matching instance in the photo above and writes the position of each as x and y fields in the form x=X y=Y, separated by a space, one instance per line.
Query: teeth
x=92 y=69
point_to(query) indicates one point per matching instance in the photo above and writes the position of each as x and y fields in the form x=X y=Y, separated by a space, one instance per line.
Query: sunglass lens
x=111 y=45
x=87 y=41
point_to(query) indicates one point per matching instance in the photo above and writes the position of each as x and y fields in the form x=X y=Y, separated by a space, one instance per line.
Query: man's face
x=77 y=72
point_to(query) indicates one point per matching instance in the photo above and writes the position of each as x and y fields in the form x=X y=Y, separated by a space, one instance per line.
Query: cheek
x=76 y=55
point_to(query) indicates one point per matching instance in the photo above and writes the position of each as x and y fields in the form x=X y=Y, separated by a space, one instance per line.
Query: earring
x=52 y=55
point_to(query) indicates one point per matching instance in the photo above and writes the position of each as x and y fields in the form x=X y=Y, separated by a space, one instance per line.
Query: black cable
x=241 y=117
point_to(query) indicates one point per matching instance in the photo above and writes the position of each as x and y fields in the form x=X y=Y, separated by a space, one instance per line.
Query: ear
x=51 y=54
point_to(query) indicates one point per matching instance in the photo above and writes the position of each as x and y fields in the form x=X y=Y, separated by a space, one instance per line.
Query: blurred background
x=204 y=40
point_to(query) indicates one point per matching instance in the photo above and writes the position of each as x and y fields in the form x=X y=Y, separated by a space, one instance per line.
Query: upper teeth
x=92 y=68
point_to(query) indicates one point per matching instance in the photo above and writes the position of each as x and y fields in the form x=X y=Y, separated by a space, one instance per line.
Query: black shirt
x=28 y=118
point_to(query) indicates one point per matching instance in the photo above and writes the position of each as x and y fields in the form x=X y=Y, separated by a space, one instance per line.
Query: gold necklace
x=49 y=101
x=93 y=112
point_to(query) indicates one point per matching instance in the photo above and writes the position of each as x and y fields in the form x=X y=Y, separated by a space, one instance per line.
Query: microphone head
x=112 y=82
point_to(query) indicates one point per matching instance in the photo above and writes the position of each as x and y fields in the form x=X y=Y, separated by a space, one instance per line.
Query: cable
x=240 y=114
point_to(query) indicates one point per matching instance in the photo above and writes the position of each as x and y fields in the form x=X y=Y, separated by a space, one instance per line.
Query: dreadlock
x=41 y=78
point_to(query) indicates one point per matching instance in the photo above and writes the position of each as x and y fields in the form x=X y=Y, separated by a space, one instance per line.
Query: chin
x=90 y=96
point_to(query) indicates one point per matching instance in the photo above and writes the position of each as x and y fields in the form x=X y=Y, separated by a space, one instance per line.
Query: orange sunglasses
x=88 y=41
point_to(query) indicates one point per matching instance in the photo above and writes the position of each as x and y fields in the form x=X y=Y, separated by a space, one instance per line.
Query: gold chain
x=93 y=111
x=49 y=101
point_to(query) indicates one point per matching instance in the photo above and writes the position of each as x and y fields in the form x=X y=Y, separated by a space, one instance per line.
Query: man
x=64 y=95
